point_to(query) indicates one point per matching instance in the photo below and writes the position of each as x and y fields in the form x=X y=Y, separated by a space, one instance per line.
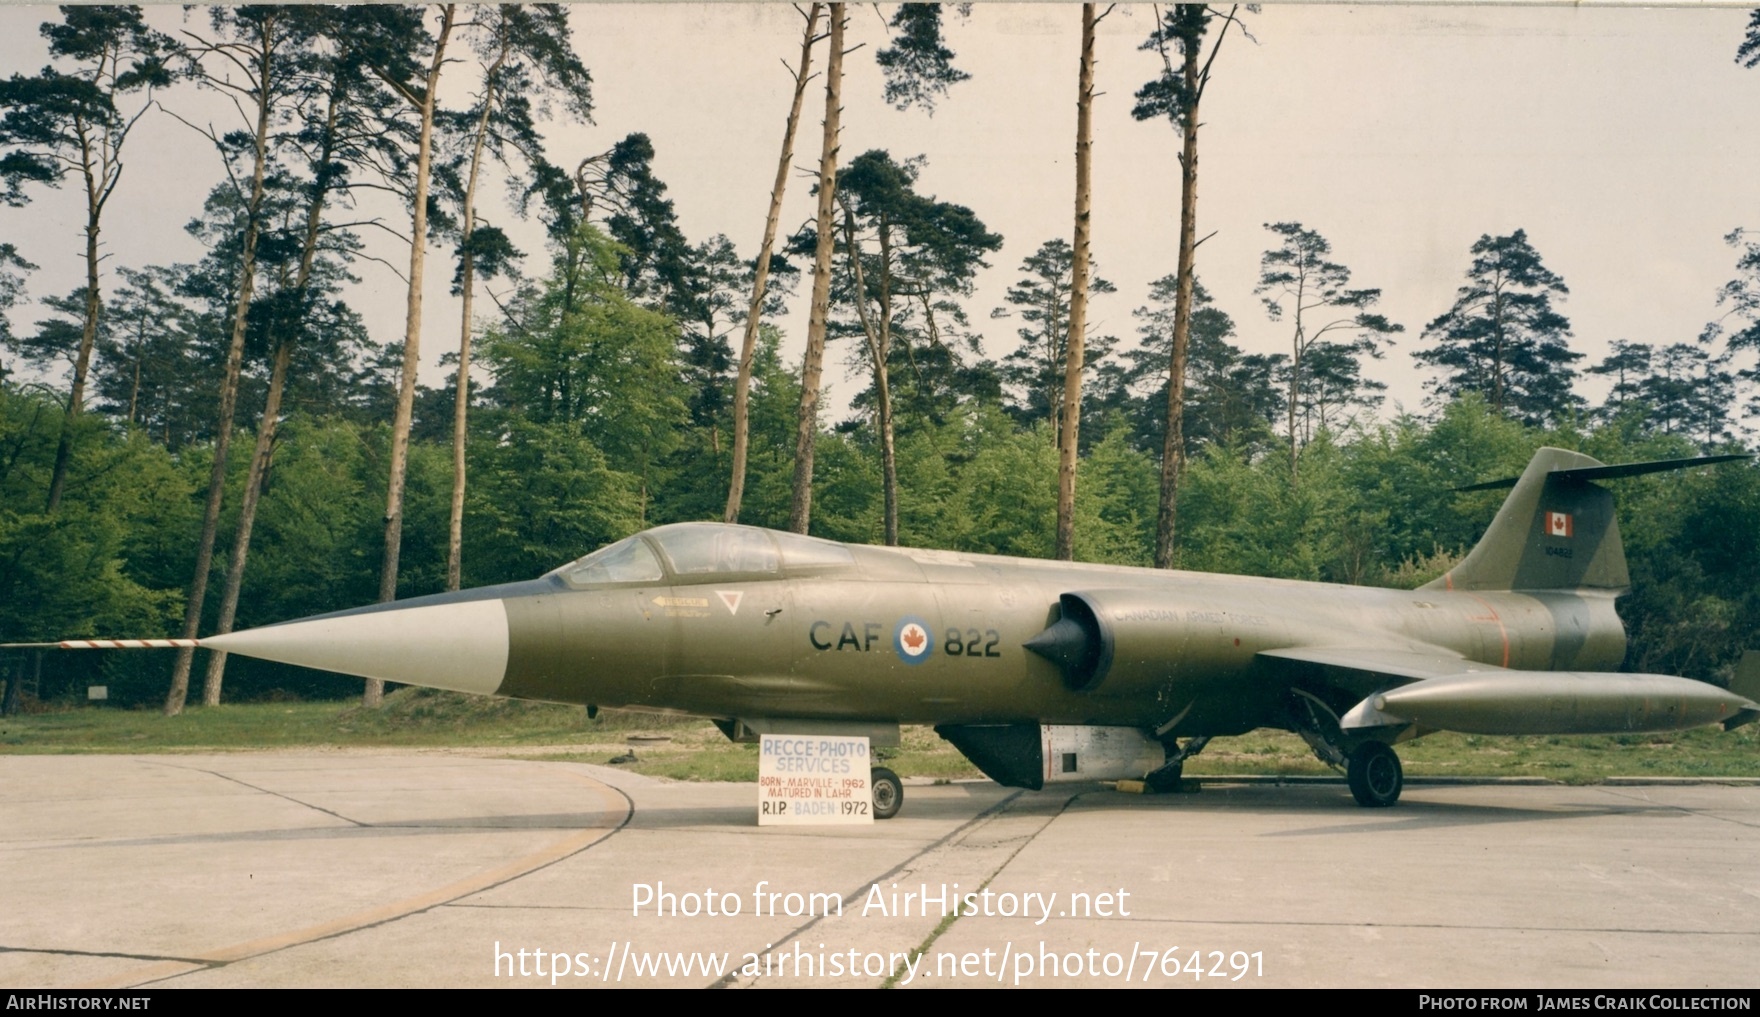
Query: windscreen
x=627 y=561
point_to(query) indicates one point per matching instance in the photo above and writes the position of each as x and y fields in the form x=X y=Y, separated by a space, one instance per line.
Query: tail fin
x=1556 y=530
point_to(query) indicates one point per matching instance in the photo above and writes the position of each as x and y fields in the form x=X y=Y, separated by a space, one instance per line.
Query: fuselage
x=907 y=636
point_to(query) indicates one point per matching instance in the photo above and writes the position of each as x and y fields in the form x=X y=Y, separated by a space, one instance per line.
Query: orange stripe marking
x=1502 y=632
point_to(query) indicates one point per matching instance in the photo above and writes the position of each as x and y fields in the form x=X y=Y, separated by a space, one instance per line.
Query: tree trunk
x=247 y=517
x=878 y=339
x=742 y=384
x=134 y=389
x=198 y=587
x=461 y=401
x=412 y=341
x=88 y=334
x=266 y=427
x=1497 y=354
x=1173 y=449
x=9 y=704
x=883 y=381
x=813 y=364
x=1078 y=298
x=1295 y=390
x=888 y=457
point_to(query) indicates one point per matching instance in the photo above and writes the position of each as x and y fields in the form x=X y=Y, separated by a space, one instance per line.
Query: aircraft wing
x=1383 y=666
x=1442 y=691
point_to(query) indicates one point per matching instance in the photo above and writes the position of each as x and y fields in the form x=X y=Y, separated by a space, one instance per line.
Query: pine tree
x=901 y=251
x=12 y=276
x=1502 y=338
x=1177 y=95
x=73 y=121
x=801 y=72
x=1035 y=370
x=1298 y=281
x=525 y=54
x=1739 y=325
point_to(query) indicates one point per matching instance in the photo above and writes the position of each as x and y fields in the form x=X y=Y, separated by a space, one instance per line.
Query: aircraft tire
x=888 y=792
x=1375 y=775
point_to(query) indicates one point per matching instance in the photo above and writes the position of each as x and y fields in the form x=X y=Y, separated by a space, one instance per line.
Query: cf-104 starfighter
x=1043 y=672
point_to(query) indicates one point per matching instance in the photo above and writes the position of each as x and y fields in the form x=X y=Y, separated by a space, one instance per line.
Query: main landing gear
x=888 y=792
x=1374 y=774
x=1371 y=767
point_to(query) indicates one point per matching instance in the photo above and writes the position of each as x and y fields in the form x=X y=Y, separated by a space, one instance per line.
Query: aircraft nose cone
x=457 y=646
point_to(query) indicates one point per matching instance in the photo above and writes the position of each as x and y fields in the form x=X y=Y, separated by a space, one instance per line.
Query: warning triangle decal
x=731 y=598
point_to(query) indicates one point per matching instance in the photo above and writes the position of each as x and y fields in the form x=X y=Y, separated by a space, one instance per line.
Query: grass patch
x=693 y=749
x=1576 y=759
x=409 y=718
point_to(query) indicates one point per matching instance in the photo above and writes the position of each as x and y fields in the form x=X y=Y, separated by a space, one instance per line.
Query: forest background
x=1563 y=237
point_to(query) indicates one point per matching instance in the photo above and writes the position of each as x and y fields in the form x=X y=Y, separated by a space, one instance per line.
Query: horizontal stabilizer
x=1614 y=472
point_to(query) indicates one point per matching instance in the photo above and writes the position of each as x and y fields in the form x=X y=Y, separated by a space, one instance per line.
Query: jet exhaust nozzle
x=1078 y=643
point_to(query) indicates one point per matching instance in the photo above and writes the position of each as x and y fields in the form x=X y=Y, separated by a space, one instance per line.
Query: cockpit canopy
x=689 y=552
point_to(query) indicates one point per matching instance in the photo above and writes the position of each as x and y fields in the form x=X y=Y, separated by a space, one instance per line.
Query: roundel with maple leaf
x=911 y=640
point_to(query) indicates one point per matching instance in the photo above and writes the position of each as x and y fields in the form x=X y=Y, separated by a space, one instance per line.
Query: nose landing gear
x=888 y=792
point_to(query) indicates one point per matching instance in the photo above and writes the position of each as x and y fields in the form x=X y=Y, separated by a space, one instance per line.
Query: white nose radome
x=462 y=646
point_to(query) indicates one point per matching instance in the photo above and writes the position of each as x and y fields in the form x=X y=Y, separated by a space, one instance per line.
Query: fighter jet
x=1043 y=672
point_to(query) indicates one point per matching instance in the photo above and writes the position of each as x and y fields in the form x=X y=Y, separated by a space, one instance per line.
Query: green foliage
x=52 y=120
x=1117 y=494
x=12 y=269
x=918 y=67
x=1180 y=33
x=1678 y=389
x=1231 y=398
x=105 y=563
x=542 y=494
x=1299 y=284
x=1034 y=371
x=1739 y=325
x=1007 y=496
x=577 y=350
x=1502 y=338
x=775 y=398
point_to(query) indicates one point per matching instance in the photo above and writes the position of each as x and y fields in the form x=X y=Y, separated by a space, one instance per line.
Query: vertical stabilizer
x=1555 y=531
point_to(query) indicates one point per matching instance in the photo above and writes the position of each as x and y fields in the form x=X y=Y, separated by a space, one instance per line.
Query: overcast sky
x=1626 y=142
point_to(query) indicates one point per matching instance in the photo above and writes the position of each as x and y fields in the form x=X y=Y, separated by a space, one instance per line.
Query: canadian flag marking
x=1558 y=524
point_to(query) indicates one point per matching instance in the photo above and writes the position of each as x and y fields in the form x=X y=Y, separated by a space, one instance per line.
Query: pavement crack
x=1678 y=808
x=277 y=794
x=859 y=894
x=947 y=921
x=120 y=954
x=397 y=910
